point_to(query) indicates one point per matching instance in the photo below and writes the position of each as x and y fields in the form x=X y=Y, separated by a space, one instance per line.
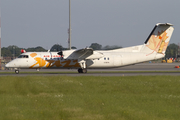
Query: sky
x=32 y=23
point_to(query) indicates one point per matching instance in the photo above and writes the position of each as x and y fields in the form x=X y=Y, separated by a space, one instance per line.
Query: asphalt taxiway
x=132 y=70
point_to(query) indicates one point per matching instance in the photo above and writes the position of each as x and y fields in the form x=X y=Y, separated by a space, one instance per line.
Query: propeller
x=60 y=53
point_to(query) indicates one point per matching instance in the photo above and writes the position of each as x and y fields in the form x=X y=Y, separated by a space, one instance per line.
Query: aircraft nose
x=11 y=64
x=7 y=65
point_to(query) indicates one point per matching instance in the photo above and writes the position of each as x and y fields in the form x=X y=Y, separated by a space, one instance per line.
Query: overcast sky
x=32 y=23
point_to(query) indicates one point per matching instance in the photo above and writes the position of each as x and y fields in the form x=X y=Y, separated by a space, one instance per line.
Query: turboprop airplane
x=153 y=48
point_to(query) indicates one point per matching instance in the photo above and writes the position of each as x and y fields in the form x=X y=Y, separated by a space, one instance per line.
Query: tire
x=84 y=70
x=17 y=71
x=80 y=70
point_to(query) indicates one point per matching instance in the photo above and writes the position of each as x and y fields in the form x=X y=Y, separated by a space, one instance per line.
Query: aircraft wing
x=86 y=53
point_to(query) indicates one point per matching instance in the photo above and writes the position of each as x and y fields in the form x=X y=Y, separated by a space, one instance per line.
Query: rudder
x=159 y=38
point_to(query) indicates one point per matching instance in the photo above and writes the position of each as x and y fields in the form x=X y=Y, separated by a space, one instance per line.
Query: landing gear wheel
x=84 y=70
x=17 y=71
x=80 y=70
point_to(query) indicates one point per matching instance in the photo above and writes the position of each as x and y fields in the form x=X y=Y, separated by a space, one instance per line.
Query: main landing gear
x=83 y=67
x=81 y=70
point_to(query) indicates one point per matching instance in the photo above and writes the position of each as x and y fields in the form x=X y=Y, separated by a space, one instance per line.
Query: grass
x=90 y=98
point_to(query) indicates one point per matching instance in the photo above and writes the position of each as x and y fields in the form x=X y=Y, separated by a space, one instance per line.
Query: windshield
x=23 y=56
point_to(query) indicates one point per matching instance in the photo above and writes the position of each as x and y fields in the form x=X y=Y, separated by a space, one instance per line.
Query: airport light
x=0 y=34
x=69 y=31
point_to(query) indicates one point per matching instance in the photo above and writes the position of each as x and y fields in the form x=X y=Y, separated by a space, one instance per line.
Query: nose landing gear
x=17 y=71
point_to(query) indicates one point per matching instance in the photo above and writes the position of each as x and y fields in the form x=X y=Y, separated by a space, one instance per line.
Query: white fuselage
x=109 y=59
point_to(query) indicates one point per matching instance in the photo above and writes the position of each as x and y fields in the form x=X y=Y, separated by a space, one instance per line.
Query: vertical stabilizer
x=159 y=38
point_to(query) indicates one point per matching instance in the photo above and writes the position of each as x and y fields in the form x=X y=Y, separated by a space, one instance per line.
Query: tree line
x=15 y=51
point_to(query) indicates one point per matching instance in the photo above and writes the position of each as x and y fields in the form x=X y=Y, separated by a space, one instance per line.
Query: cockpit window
x=23 y=56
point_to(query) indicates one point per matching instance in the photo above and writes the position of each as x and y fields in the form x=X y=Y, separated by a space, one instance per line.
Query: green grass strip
x=89 y=98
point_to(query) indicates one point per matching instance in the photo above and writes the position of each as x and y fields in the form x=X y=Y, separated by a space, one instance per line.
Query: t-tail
x=158 y=40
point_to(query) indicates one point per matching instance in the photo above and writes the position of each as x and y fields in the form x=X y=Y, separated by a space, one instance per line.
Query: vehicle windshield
x=23 y=56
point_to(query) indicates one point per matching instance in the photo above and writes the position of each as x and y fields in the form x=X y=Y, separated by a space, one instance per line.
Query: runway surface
x=132 y=70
